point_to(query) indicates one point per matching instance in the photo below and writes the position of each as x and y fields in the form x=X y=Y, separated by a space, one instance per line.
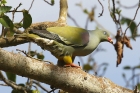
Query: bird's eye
x=104 y=33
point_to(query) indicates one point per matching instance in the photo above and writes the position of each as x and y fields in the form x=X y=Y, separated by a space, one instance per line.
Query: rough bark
x=73 y=80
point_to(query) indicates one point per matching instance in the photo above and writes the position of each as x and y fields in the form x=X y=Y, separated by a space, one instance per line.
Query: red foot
x=72 y=65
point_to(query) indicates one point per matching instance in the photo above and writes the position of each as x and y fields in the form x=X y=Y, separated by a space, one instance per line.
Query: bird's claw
x=72 y=65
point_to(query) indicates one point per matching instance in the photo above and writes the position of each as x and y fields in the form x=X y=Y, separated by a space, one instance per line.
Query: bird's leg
x=68 y=62
x=72 y=65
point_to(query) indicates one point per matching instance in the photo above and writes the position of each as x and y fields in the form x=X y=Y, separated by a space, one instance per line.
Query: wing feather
x=71 y=36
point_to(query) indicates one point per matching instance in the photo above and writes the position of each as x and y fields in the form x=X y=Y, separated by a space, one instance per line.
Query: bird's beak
x=110 y=40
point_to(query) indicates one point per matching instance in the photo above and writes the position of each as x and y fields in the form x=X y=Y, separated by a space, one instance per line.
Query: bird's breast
x=56 y=48
x=89 y=48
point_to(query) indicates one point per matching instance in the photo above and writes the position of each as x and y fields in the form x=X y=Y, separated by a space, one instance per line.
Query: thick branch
x=11 y=41
x=63 y=11
x=73 y=80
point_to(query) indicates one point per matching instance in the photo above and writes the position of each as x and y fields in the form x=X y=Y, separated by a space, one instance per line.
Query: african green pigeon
x=67 y=42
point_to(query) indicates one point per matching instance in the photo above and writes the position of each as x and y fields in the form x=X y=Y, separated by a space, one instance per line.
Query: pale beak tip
x=110 y=40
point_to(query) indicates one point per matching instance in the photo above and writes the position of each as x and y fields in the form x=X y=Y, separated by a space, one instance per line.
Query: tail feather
x=26 y=35
x=20 y=35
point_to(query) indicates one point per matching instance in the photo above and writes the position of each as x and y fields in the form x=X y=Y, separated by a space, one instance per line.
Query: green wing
x=71 y=35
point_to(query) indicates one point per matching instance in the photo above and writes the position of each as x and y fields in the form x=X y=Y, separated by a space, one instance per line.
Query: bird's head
x=104 y=36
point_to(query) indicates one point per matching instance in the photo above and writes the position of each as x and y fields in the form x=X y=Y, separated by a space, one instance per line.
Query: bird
x=67 y=42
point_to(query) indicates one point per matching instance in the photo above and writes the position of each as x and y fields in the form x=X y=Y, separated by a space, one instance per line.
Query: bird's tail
x=23 y=35
x=26 y=36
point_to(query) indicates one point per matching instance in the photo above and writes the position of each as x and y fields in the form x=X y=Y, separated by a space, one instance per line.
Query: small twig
x=4 y=85
x=2 y=33
x=131 y=78
x=29 y=83
x=128 y=7
x=136 y=89
x=17 y=31
x=73 y=20
x=29 y=48
x=31 y=5
x=35 y=87
x=99 y=25
x=101 y=66
x=28 y=10
x=119 y=23
x=52 y=90
x=133 y=18
x=15 y=10
x=81 y=60
x=109 y=6
x=79 y=63
x=134 y=34
x=114 y=8
x=86 y=25
x=12 y=84
x=38 y=84
x=100 y=14
x=24 y=52
x=49 y=3
x=112 y=13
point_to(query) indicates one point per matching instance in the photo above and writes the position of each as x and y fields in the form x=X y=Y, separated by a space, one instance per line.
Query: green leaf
x=85 y=11
x=11 y=76
x=21 y=84
x=87 y=67
x=104 y=69
x=33 y=91
x=18 y=91
x=137 y=67
x=127 y=67
x=9 y=33
x=52 y=2
x=4 y=9
x=132 y=26
x=3 y=2
x=90 y=59
x=123 y=75
x=40 y=56
x=6 y=22
x=18 y=25
x=138 y=85
x=27 y=19
x=104 y=64
x=32 y=53
x=118 y=11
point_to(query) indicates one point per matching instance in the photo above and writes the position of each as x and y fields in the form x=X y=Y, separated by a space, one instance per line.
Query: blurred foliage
x=134 y=77
x=4 y=9
x=11 y=76
x=133 y=26
x=39 y=55
x=27 y=19
x=6 y=22
x=21 y=91
x=90 y=64
x=29 y=91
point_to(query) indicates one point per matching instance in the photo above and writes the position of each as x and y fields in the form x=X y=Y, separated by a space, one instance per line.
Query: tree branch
x=63 y=11
x=69 y=79
x=10 y=41
x=12 y=84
